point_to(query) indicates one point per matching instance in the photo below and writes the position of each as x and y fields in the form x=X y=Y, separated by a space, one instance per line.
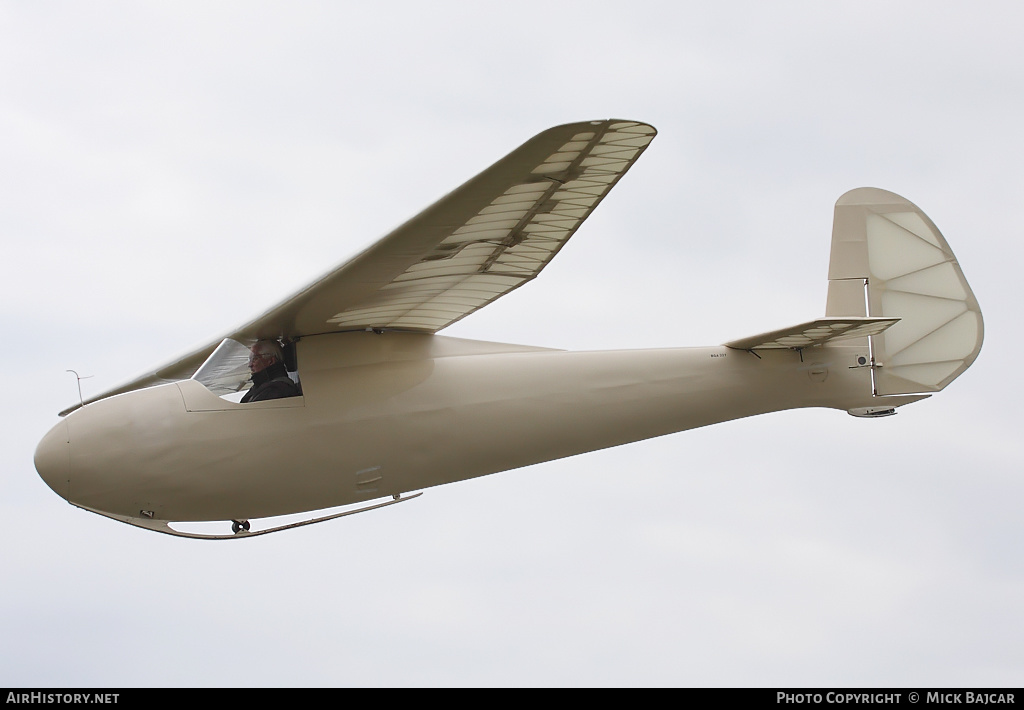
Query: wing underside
x=510 y=238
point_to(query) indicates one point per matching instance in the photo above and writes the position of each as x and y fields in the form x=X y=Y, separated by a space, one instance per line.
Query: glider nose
x=52 y=459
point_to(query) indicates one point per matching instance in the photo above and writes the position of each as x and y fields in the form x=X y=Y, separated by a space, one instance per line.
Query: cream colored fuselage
x=384 y=414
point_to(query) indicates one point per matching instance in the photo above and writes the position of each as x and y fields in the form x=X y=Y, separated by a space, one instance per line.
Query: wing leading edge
x=484 y=239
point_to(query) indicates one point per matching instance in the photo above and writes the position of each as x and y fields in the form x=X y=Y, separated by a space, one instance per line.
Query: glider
x=383 y=405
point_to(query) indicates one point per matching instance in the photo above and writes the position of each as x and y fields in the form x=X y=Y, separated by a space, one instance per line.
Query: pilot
x=269 y=377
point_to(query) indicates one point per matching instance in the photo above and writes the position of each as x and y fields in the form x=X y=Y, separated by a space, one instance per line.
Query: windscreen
x=226 y=371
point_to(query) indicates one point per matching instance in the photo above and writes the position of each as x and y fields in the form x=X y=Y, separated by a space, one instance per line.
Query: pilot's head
x=263 y=354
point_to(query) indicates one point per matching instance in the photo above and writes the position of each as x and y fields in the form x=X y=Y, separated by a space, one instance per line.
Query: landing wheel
x=237 y=525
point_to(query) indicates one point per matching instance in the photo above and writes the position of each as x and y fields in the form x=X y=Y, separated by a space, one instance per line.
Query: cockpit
x=234 y=366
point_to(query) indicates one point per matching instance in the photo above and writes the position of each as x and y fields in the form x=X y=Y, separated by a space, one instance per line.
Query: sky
x=169 y=170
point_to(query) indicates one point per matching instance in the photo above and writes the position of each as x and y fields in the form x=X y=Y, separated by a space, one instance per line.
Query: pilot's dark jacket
x=271 y=383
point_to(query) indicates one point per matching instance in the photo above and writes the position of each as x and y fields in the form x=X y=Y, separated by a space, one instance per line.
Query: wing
x=484 y=239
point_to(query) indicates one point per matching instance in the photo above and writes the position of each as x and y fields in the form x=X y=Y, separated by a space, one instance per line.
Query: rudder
x=889 y=260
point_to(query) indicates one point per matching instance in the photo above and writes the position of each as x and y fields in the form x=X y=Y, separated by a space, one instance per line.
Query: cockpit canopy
x=226 y=371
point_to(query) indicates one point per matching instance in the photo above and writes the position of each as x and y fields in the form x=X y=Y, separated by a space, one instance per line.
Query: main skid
x=240 y=527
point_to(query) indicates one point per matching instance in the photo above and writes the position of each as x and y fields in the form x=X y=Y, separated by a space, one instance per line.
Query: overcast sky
x=169 y=170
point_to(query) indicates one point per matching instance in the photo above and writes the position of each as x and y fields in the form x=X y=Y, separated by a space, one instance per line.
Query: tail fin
x=890 y=261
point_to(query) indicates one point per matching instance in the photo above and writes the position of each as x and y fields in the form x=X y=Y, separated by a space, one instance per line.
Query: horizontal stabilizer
x=817 y=332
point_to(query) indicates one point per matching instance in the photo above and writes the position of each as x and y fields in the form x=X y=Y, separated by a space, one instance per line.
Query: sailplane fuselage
x=384 y=414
